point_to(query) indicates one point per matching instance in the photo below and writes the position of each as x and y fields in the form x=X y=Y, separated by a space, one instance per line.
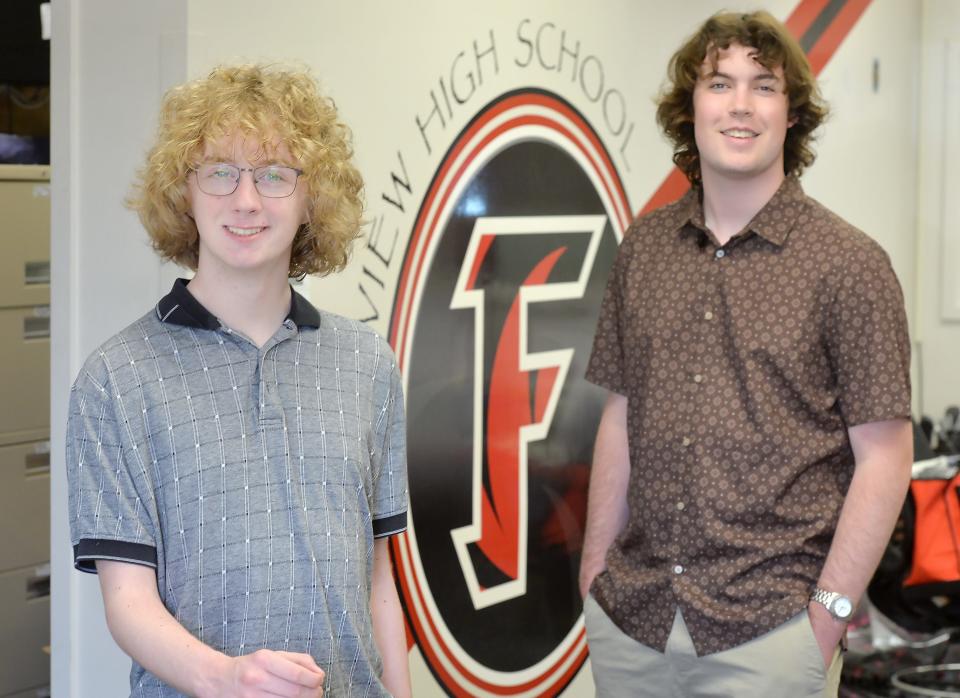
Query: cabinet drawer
x=25 y=232
x=24 y=504
x=25 y=369
x=25 y=600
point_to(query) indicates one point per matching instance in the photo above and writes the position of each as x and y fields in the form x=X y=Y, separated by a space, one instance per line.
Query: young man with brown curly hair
x=237 y=457
x=755 y=448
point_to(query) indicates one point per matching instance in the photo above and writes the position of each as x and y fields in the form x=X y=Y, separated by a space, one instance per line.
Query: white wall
x=939 y=338
x=110 y=63
x=112 y=60
x=863 y=171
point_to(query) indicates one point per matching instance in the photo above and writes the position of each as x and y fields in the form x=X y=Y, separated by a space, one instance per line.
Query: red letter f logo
x=515 y=390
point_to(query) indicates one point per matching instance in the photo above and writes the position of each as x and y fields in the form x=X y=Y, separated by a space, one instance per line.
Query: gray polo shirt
x=253 y=479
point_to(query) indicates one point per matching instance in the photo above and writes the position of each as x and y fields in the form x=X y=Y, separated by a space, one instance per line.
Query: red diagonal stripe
x=803 y=15
x=675 y=184
x=822 y=51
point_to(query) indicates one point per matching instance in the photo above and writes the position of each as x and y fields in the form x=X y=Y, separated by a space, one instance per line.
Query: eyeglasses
x=221 y=179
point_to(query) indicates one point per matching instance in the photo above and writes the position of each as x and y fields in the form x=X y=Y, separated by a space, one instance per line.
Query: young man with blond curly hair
x=755 y=448
x=237 y=457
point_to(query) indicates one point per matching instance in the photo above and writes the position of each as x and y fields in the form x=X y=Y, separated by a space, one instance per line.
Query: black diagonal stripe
x=820 y=24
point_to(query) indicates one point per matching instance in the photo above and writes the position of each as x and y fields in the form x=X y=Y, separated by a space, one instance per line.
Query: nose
x=741 y=101
x=246 y=197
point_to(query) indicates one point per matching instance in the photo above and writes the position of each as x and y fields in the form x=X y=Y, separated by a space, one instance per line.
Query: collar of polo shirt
x=179 y=307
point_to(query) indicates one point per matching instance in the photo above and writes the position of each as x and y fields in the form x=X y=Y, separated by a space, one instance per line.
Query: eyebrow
x=266 y=162
x=755 y=78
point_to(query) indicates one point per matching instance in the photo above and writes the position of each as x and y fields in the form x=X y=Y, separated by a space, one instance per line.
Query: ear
x=791 y=120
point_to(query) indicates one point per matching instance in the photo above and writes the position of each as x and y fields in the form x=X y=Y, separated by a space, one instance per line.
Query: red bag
x=917 y=584
x=935 y=563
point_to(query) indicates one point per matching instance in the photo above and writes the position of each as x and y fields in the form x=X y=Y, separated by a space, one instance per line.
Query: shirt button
x=720 y=254
x=678 y=569
x=698 y=378
x=681 y=506
x=686 y=441
x=708 y=315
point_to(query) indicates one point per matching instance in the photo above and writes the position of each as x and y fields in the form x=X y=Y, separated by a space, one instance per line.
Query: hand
x=827 y=629
x=272 y=673
x=586 y=578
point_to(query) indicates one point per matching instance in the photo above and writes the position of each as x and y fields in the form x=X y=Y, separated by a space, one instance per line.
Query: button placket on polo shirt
x=272 y=415
x=274 y=437
x=271 y=411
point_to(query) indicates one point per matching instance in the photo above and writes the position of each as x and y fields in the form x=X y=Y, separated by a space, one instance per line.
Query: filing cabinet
x=24 y=429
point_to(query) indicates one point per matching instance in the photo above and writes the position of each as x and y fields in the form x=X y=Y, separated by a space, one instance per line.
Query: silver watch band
x=839 y=606
x=824 y=597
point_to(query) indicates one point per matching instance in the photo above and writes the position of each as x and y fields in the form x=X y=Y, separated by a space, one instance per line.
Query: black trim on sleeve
x=391 y=525
x=89 y=550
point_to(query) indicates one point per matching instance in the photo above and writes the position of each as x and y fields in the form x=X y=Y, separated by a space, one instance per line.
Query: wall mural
x=502 y=278
x=492 y=318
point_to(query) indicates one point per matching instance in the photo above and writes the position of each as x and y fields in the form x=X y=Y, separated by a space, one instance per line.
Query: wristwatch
x=840 y=606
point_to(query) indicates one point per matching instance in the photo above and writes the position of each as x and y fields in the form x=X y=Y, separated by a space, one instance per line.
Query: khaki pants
x=786 y=663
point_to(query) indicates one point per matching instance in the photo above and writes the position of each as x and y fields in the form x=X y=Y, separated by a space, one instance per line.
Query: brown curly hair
x=775 y=48
x=270 y=104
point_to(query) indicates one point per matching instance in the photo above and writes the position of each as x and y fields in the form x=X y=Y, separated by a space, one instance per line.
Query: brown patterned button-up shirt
x=744 y=366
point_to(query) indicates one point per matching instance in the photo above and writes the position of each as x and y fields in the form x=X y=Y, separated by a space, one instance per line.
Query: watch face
x=842 y=607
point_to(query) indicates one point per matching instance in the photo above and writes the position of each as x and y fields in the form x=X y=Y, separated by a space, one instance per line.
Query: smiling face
x=245 y=231
x=741 y=117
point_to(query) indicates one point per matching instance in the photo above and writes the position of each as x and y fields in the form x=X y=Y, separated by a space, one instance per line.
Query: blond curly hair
x=269 y=104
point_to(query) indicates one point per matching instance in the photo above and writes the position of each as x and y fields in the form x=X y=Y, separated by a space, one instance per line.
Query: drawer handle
x=36 y=327
x=38 y=586
x=37 y=464
x=36 y=273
